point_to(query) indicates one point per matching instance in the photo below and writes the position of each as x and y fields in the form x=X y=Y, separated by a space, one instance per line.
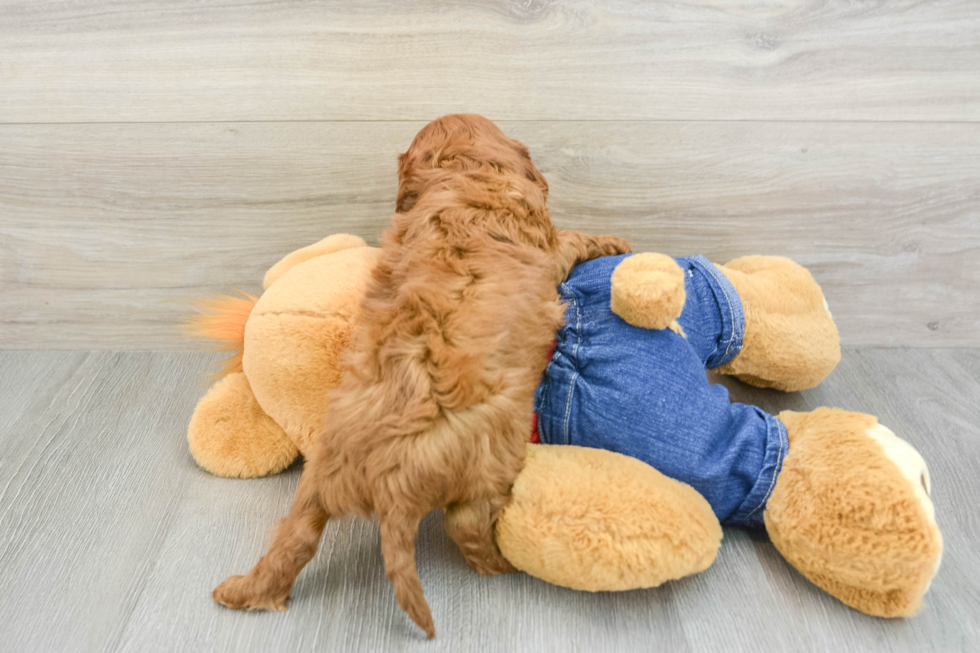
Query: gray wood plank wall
x=153 y=152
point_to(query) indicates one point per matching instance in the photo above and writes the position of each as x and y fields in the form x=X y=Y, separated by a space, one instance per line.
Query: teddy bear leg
x=851 y=511
x=790 y=341
x=230 y=435
x=591 y=519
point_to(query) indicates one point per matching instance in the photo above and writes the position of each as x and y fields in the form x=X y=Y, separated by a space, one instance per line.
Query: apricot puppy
x=435 y=404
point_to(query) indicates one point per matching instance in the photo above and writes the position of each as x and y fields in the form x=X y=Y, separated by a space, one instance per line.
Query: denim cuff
x=730 y=307
x=749 y=513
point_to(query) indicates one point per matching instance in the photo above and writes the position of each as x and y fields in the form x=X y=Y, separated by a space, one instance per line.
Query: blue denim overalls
x=644 y=393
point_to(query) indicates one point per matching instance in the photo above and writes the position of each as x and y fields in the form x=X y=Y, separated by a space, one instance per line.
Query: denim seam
x=723 y=284
x=568 y=406
x=775 y=473
x=567 y=293
x=731 y=311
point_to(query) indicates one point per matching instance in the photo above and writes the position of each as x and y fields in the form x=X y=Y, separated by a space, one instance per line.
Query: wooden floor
x=111 y=538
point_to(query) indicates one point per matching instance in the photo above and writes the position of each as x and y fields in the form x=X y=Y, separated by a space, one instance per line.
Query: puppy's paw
x=613 y=245
x=503 y=567
x=494 y=566
x=242 y=593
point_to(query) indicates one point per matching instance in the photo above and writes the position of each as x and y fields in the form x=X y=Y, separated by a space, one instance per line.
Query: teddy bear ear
x=329 y=245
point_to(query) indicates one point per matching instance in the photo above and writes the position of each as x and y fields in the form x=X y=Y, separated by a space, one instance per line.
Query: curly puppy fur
x=454 y=334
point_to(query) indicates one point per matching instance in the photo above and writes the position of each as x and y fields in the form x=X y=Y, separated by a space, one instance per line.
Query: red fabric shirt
x=535 y=435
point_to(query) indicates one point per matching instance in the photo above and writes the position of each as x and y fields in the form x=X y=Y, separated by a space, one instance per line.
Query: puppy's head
x=460 y=143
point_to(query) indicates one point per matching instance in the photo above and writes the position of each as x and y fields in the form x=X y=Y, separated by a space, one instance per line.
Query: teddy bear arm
x=851 y=511
x=596 y=520
x=328 y=245
x=790 y=341
x=648 y=291
x=230 y=435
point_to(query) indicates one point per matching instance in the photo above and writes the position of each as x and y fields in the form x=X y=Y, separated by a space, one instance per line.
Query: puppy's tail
x=222 y=320
x=398 y=533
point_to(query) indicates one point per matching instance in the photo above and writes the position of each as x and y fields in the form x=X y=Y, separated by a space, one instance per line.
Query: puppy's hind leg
x=267 y=586
x=398 y=531
x=470 y=525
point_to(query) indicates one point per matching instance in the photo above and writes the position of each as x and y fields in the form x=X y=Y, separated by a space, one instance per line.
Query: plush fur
x=286 y=350
x=230 y=435
x=328 y=245
x=436 y=396
x=790 y=342
x=596 y=520
x=292 y=375
x=843 y=514
x=648 y=291
x=222 y=321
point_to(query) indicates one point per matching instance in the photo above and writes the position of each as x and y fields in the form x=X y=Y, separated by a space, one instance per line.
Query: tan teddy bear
x=849 y=508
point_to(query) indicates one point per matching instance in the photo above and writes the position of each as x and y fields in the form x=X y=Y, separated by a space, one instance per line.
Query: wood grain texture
x=166 y=60
x=154 y=151
x=113 y=538
x=108 y=231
